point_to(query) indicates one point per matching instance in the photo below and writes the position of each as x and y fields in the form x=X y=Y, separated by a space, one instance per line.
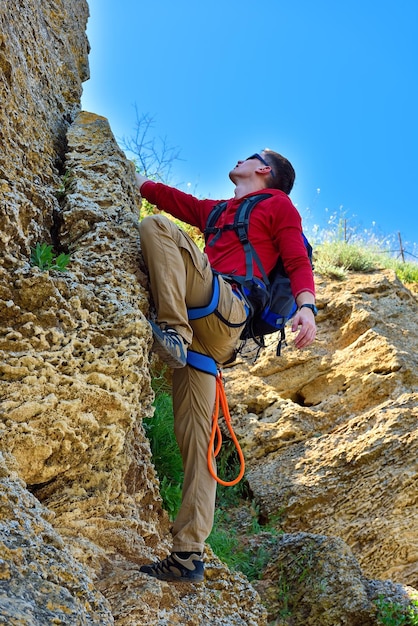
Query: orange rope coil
x=220 y=398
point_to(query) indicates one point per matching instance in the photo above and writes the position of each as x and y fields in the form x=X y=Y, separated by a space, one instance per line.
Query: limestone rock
x=75 y=371
x=40 y=581
x=43 y=62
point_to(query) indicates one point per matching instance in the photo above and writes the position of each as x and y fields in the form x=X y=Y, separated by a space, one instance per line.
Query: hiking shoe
x=169 y=345
x=176 y=568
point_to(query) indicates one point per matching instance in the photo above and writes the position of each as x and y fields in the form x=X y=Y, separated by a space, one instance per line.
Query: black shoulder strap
x=214 y=215
x=241 y=223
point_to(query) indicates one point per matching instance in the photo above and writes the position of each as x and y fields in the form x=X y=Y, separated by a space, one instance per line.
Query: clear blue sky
x=331 y=85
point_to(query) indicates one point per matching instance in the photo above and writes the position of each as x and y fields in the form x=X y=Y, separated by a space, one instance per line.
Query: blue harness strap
x=202 y=362
x=197 y=312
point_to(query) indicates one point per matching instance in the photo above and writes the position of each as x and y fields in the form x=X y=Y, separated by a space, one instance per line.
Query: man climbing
x=182 y=279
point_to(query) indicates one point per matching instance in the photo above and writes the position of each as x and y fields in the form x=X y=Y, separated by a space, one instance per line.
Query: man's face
x=249 y=167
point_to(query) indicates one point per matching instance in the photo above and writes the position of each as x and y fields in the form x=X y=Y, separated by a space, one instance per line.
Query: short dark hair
x=283 y=175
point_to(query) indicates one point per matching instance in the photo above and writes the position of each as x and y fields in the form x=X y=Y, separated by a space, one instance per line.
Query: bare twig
x=154 y=157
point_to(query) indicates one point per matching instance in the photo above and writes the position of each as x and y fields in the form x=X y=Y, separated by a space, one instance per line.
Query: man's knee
x=152 y=223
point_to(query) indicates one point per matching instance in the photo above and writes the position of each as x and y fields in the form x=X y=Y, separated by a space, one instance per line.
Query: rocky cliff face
x=330 y=433
x=43 y=61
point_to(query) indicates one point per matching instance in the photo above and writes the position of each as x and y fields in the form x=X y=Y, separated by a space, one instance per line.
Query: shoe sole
x=172 y=578
x=159 y=348
x=179 y=579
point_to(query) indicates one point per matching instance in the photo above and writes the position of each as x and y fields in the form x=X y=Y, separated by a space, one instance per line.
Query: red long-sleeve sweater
x=274 y=230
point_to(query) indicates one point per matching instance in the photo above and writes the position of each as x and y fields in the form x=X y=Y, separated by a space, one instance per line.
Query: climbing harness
x=195 y=313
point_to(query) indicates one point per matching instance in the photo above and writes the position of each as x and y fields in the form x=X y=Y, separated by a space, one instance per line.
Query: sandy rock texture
x=43 y=62
x=40 y=580
x=330 y=434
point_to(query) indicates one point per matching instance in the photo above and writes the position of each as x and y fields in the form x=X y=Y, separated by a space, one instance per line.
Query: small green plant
x=65 y=184
x=43 y=256
x=396 y=614
x=171 y=496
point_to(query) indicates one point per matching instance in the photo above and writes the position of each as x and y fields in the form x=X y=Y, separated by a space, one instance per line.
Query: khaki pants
x=181 y=278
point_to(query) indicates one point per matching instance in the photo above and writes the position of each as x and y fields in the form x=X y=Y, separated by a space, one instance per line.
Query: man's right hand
x=140 y=180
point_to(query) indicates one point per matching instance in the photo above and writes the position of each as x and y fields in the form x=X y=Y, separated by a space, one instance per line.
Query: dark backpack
x=270 y=300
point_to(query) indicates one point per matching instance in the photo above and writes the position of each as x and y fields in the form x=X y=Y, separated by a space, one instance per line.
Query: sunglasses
x=260 y=158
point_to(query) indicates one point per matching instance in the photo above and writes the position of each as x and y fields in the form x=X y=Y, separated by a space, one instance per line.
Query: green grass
x=336 y=258
x=342 y=249
x=395 y=614
x=165 y=453
x=247 y=551
x=406 y=272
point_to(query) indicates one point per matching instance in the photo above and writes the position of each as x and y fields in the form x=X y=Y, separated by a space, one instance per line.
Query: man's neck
x=244 y=187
